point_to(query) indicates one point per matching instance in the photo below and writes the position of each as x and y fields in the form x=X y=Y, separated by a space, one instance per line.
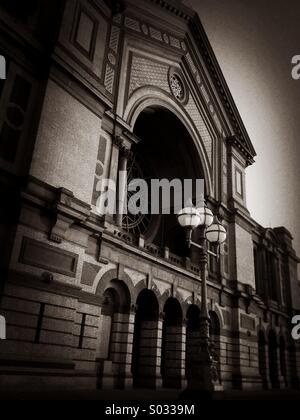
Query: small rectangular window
x=239 y=182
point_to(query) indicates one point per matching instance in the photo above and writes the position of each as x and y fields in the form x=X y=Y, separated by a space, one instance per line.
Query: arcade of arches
x=115 y=299
x=153 y=348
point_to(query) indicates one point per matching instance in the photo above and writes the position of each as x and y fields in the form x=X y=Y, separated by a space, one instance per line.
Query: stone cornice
x=176 y=7
x=240 y=145
x=241 y=136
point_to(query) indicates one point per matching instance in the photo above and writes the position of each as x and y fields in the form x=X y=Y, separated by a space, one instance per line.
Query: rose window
x=177 y=87
x=137 y=224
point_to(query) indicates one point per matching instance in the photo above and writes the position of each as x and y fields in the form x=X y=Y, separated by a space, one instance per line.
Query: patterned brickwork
x=148 y=73
x=201 y=127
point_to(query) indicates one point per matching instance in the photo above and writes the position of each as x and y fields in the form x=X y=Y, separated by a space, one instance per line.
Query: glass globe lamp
x=216 y=233
x=207 y=216
x=190 y=218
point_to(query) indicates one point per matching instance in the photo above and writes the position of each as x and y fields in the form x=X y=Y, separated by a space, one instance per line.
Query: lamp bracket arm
x=191 y=243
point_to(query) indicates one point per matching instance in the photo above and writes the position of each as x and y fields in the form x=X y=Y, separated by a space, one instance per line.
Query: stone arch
x=186 y=306
x=161 y=298
x=216 y=309
x=116 y=325
x=164 y=298
x=215 y=325
x=148 y=97
x=269 y=330
x=180 y=298
x=113 y=275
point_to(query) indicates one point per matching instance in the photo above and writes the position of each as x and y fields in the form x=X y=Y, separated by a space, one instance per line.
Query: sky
x=254 y=42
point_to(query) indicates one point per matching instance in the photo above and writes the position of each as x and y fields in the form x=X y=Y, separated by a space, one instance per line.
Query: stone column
x=122 y=185
x=175 y=357
x=113 y=176
x=149 y=361
x=121 y=347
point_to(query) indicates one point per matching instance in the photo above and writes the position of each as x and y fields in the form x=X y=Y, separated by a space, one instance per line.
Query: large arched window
x=166 y=152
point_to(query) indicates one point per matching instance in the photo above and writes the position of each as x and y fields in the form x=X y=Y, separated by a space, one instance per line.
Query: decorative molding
x=112 y=58
x=81 y=29
x=236 y=142
x=68 y=210
x=89 y=274
x=184 y=12
x=41 y=255
x=247 y=323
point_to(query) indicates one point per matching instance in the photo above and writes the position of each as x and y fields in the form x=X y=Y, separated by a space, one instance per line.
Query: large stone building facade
x=91 y=301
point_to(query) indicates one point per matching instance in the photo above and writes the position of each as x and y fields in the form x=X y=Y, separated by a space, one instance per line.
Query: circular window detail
x=177 y=86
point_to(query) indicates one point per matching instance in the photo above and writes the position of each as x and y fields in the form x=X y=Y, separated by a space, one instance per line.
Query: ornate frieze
x=112 y=57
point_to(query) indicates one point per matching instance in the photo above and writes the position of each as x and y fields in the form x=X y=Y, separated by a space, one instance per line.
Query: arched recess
x=149 y=97
x=173 y=345
x=192 y=339
x=262 y=356
x=273 y=359
x=166 y=152
x=283 y=361
x=116 y=323
x=215 y=341
x=146 y=341
x=114 y=334
x=112 y=275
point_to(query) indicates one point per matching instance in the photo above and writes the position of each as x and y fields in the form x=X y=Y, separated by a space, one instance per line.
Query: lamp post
x=212 y=231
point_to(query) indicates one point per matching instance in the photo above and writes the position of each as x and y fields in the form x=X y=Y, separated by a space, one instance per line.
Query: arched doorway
x=215 y=341
x=283 y=364
x=146 y=342
x=262 y=355
x=173 y=342
x=114 y=340
x=192 y=339
x=273 y=359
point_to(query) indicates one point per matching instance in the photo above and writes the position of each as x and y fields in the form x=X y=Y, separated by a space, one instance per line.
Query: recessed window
x=239 y=187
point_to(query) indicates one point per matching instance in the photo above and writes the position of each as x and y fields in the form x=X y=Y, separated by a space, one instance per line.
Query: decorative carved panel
x=40 y=255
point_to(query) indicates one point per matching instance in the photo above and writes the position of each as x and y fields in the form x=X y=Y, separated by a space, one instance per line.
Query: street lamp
x=212 y=231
